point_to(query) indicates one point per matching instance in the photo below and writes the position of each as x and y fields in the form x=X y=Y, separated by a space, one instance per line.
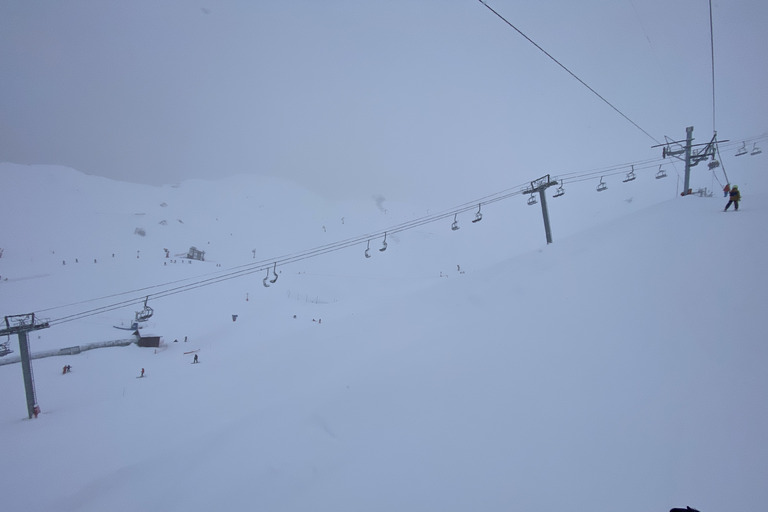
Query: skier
x=734 y=197
x=195 y=360
x=142 y=372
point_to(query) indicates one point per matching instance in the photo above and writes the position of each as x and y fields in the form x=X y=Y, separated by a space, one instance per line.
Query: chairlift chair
x=478 y=215
x=630 y=175
x=274 y=272
x=602 y=185
x=742 y=150
x=661 y=173
x=146 y=313
x=755 y=150
x=713 y=164
x=5 y=348
x=384 y=244
x=560 y=190
x=532 y=200
x=368 y=250
x=265 y=281
x=455 y=224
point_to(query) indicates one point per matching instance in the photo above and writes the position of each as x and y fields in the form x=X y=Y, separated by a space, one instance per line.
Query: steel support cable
x=582 y=82
x=266 y=264
x=650 y=163
x=615 y=172
x=612 y=171
x=120 y=294
x=624 y=168
x=286 y=260
x=712 y=47
x=137 y=290
x=119 y=305
x=246 y=268
x=722 y=165
x=299 y=257
x=262 y=265
x=207 y=282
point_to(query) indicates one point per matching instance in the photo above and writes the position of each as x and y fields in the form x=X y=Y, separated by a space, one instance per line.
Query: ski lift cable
x=599 y=170
x=582 y=82
x=137 y=290
x=611 y=170
x=260 y=266
x=127 y=302
x=575 y=178
x=714 y=175
x=165 y=293
x=250 y=268
x=233 y=275
x=722 y=166
x=240 y=273
x=594 y=176
x=712 y=51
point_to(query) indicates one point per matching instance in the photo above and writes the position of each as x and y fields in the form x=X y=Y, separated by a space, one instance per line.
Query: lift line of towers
x=686 y=153
x=21 y=325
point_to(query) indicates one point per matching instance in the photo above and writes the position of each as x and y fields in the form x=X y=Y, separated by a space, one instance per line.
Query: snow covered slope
x=621 y=366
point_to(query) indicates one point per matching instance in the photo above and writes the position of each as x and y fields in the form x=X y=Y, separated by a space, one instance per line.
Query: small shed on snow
x=195 y=254
x=149 y=341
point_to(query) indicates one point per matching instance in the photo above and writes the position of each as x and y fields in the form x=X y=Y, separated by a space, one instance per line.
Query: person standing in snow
x=195 y=360
x=142 y=372
x=734 y=197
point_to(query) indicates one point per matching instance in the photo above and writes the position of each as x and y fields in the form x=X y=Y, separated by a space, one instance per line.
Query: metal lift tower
x=541 y=185
x=21 y=325
x=692 y=157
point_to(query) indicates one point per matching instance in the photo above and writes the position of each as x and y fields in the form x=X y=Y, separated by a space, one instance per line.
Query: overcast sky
x=403 y=98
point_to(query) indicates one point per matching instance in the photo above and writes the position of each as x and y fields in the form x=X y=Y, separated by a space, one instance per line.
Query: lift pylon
x=540 y=185
x=21 y=325
x=692 y=157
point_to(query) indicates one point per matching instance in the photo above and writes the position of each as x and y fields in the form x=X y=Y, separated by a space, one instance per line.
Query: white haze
x=351 y=99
